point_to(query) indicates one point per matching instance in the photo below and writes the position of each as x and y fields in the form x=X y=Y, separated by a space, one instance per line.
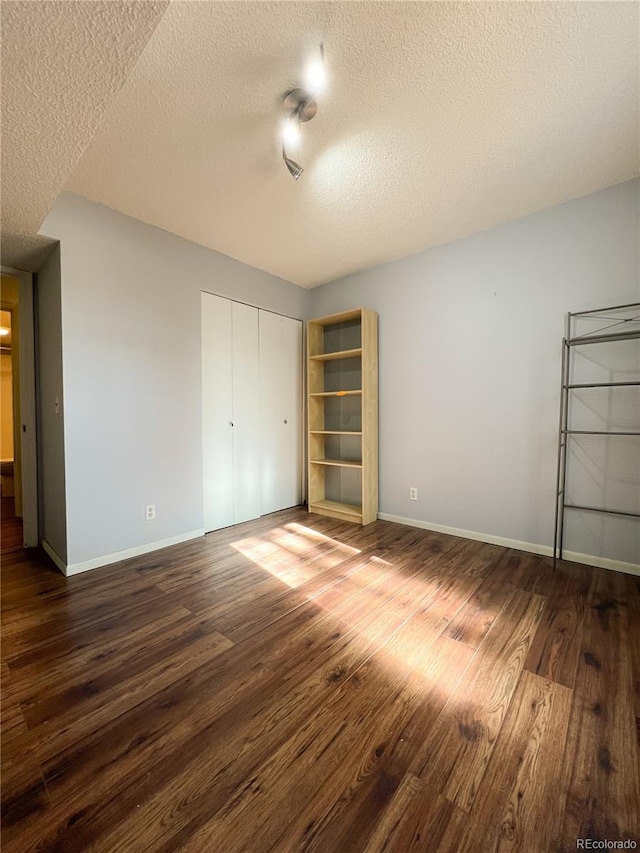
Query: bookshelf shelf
x=342 y=407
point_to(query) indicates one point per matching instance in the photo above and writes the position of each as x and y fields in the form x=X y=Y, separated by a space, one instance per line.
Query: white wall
x=51 y=450
x=470 y=367
x=132 y=367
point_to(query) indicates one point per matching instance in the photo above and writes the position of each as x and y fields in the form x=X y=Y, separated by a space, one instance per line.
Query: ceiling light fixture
x=291 y=132
x=295 y=170
x=299 y=105
x=316 y=76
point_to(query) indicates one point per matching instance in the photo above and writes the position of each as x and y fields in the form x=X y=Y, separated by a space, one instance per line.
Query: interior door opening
x=18 y=473
x=10 y=484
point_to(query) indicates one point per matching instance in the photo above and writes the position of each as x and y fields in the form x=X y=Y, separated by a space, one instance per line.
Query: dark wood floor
x=10 y=527
x=302 y=684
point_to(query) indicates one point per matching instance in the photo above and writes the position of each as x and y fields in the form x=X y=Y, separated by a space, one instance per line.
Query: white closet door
x=271 y=411
x=217 y=411
x=291 y=396
x=246 y=413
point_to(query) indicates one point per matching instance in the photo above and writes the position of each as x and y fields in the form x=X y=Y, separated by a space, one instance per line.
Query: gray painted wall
x=132 y=365
x=470 y=366
x=469 y=371
x=51 y=458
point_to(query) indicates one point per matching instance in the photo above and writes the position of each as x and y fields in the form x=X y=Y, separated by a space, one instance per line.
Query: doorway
x=18 y=483
x=10 y=491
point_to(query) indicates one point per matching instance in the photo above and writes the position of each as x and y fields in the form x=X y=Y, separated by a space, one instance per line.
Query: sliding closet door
x=270 y=410
x=280 y=404
x=291 y=385
x=246 y=413
x=217 y=411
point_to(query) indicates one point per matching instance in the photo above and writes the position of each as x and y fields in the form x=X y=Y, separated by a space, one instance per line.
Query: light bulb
x=316 y=76
x=291 y=132
x=4 y=331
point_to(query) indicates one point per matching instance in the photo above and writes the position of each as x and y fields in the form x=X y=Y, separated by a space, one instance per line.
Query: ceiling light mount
x=300 y=104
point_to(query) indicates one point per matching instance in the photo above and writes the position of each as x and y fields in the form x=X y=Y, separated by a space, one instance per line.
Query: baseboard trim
x=53 y=554
x=601 y=562
x=118 y=556
x=531 y=547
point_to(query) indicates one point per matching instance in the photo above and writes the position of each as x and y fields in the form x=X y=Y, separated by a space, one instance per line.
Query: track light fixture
x=299 y=105
x=295 y=170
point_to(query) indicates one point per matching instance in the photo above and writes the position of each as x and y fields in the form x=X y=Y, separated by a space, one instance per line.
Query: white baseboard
x=601 y=562
x=532 y=548
x=118 y=556
x=57 y=559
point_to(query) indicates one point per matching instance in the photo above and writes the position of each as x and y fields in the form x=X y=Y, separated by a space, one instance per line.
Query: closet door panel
x=246 y=413
x=291 y=397
x=271 y=416
x=217 y=411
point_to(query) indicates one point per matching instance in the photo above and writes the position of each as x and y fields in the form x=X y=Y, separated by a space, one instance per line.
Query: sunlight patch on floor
x=374 y=597
x=294 y=554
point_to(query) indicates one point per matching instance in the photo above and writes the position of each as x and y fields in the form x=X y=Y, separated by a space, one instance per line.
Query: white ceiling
x=441 y=119
x=62 y=63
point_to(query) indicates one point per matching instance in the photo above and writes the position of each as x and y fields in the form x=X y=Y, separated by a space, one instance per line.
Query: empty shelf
x=341 y=463
x=338 y=393
x=333 y=432
x=351 y=512
x=331 y=356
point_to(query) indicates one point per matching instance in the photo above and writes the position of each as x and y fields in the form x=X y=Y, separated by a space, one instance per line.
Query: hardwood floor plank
x=633 y=598
x=185 y=640
x=602 y=783
x=457 y=751
x=36 y=650
x=33 y=681
x=13 y=722
x=153 y=729
x=388 y=831
x=422 y=826
x=339 y=584
x=94 y=710
x=521 y=808
x=278 y=788
x=361 y=778
x=474 y=619
x=555 y=650
x=27 y=799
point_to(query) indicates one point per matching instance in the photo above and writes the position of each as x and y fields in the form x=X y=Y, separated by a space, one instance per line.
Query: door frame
x=28 y=437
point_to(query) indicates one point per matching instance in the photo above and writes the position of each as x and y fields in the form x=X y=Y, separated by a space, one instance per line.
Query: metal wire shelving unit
x=617 y=329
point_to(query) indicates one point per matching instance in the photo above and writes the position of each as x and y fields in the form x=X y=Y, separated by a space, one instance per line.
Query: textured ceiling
x=440 y=119
x=62 y=63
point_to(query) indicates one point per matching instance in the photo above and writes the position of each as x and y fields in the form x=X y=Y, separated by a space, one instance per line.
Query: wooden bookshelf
x=340 y=463
x=342 y=412
x=333 y=356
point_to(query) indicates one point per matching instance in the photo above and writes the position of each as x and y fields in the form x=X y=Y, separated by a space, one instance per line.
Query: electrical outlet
x=150 y=512
x=413 y=494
